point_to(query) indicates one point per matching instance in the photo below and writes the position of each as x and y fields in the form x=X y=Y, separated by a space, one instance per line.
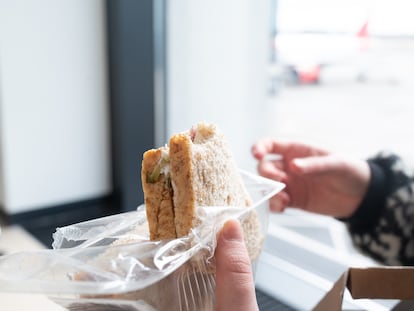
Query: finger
x=277 y=163
x=268 y=146
x=234 y=278
x=279 y=202
x=272 y=170
x=259 y=149
x=316 y=165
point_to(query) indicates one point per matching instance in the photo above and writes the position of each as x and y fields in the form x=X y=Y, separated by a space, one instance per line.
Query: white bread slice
x=203 y=173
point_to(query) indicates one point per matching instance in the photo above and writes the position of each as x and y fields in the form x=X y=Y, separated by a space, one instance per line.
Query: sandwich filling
x=161 y=168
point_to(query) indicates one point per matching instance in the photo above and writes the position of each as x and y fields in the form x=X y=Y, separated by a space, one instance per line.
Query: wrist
x=369 y=209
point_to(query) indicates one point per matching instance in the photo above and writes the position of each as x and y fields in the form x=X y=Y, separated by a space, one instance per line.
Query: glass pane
x=340 y=77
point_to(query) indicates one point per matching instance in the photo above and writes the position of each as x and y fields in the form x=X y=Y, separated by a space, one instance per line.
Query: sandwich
x=196 y=169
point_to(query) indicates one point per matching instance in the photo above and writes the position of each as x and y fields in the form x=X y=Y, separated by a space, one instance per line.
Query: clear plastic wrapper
x=110 y=263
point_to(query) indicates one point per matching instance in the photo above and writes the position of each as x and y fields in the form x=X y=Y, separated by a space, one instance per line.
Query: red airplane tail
x=363 y=36
x=363 y=32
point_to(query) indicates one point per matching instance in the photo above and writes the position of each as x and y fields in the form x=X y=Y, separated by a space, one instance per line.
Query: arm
x=383 y=225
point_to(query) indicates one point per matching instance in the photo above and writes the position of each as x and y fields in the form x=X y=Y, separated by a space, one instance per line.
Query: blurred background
x=87 y=86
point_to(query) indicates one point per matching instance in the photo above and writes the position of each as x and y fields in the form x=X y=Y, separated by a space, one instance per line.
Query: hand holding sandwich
x=316 y=180
x=234 y=279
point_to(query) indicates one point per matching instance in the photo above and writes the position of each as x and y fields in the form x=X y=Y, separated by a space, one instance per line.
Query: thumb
x=315 y=165
x=234 y=279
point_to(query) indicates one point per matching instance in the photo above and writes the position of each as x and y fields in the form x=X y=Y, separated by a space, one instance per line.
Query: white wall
x=217 y=59
x=54 y=129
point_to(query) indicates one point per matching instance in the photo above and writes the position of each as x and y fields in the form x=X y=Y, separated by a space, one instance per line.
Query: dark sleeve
x=373 y=203
x=383 y=225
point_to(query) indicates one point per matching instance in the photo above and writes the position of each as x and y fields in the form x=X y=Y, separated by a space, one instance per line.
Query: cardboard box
x=372 y=283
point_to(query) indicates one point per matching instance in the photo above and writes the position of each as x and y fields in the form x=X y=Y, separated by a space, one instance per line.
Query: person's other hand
x=235 y=288
x=316 y=180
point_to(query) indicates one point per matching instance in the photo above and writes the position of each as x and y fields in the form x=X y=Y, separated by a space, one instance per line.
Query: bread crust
x=158 y=197
x=182 y=179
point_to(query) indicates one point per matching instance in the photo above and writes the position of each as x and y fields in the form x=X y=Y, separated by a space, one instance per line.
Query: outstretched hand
x=316 y=180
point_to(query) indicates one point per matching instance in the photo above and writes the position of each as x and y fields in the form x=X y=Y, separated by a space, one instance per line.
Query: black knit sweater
x=383 y=226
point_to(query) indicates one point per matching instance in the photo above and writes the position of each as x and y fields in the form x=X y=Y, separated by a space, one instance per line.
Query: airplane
x=300 y=57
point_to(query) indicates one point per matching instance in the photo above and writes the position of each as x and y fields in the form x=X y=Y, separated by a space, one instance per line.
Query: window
x=334 y=73
x=341 y=77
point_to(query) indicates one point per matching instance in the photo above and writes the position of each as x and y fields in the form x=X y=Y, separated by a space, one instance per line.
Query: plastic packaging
x=109 y=263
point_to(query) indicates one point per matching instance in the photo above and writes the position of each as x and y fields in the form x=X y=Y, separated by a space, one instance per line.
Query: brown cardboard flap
x=381 y=282
x=371 y=283
x=333 y=299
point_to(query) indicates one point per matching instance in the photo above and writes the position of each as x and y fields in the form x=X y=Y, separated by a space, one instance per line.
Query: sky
x=384 y=17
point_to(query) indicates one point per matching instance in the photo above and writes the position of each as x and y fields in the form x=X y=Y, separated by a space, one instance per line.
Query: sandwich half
x=196 y=169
